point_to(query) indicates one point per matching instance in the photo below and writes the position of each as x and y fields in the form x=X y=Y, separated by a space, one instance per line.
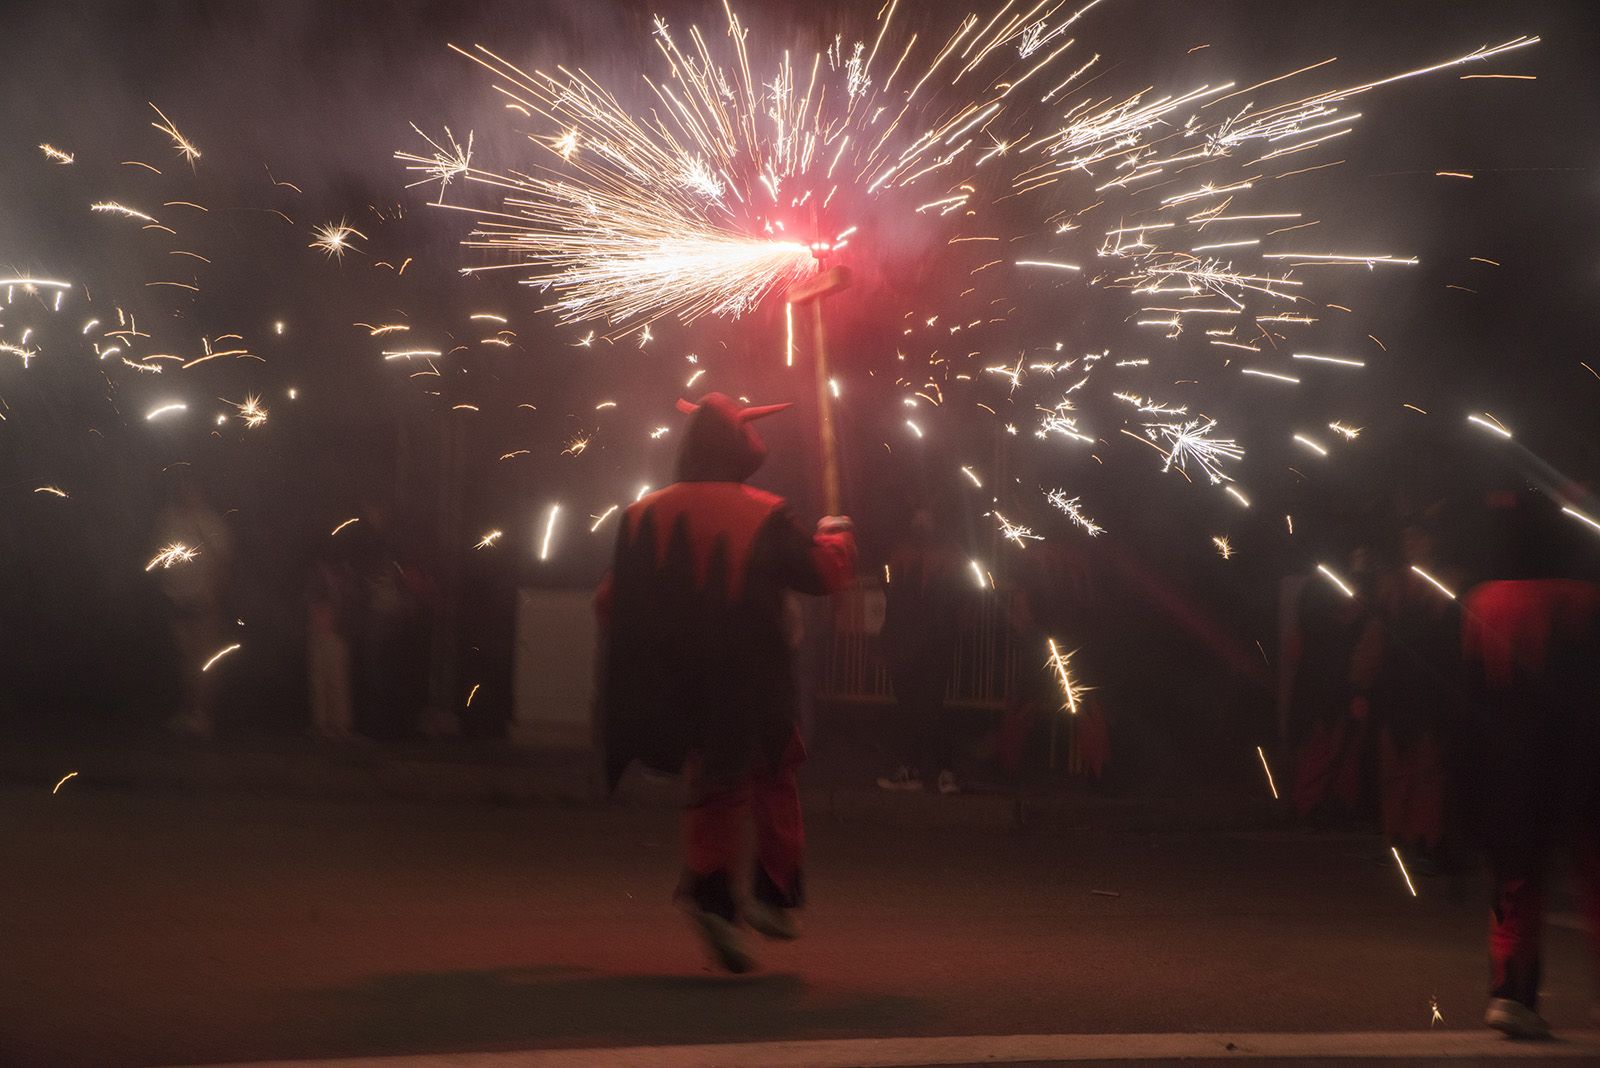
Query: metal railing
x=986 y=658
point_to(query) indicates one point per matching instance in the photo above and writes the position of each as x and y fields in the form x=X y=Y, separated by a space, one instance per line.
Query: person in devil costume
x=696 y=672
x=1531 y=646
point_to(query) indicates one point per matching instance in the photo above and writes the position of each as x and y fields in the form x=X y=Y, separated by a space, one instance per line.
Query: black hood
x=720 y=444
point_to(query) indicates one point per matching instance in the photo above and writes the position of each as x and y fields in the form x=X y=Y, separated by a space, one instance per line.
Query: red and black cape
x=695 y=653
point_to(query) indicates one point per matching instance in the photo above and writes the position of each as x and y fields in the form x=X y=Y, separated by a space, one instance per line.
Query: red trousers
x=713 y=826
x=1412 y=775
x=1329 y=766
x=1517 y=914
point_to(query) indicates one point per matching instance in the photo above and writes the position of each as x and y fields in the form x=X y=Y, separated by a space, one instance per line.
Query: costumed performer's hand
x=835 y=524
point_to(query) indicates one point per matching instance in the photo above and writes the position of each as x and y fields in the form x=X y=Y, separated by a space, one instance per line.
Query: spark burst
x=1014 y=532
x=334 y=238
x=1192 y=442
x=182 y=144
x=444 y=166
x=1060 y=665
x=176 y=553
x=719 y=189
x=251 y=411
x=1072 y=508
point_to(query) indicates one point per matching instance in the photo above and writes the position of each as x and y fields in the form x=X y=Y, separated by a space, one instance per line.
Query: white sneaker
x=722 y=940
x=948 y=784
x=902 y=781
x=771 y=921
x=1515 y=1019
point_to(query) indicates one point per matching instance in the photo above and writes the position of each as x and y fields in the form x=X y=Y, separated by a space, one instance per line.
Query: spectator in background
x=1035 y=615
x=1337 y=652
x=330 y=604
x=1416 y=700
x=390 y=636
x=195 y=588
x=920 y=629
x=1531 y=644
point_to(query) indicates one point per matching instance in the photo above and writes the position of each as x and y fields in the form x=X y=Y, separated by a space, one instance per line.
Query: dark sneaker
x=721 y=940
x=1515 y=1019
x=772 y=921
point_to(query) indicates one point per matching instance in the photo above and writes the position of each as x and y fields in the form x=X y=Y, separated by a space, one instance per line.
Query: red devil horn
x=687 y=407
x=760 y=410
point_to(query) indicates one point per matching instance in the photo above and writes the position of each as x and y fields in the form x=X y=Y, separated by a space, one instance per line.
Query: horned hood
x=720 y=443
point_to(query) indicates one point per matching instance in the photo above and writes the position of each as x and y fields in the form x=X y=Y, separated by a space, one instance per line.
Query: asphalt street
x=142 y=929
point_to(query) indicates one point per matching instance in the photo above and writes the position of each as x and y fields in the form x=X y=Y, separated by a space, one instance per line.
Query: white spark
x=1409 y=884
x=1574 y=513
x=218 y=655
x=1343 y=361
x=157 y=412
x=1271 y=785
x=549 y=531
x=1269 y=374
x=1490 y=423
x=1336 y=580
x=1435 y=583
x=1312 y=445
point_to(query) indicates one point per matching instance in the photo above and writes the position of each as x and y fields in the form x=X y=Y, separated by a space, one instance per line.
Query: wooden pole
x=813 y=292
x=825 y=429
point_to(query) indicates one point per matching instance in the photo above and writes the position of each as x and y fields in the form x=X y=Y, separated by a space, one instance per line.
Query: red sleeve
x=811 y=563
x=834 y=558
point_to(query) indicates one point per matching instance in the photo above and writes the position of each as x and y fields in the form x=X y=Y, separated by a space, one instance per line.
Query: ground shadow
x=568 y=1006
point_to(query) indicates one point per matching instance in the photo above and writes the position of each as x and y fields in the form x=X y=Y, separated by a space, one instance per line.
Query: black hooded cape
x=695 y=655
